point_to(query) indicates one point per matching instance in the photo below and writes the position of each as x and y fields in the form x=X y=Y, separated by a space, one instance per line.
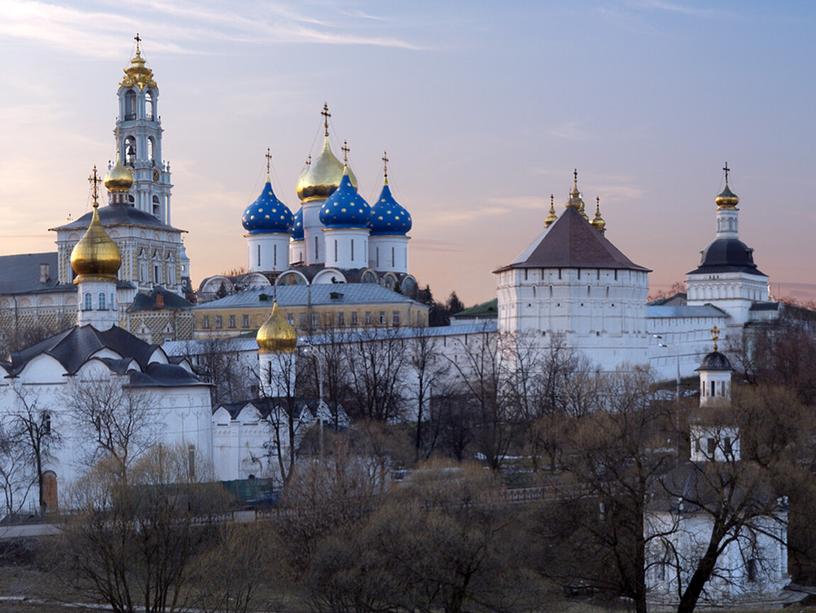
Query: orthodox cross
x=326 y=115
x=345 y=149
x=385 y=161
x=715 y=336
x=94 y=180
x=726 y=170
x=268 y=157
x=138 y=40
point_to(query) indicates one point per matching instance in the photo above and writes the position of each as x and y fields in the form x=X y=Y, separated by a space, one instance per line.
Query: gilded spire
x=551 y=217
x=276 y=335
x=575 y=201
x=598 y=221
x=385 y=161
x=138 y=74
x=96 y=255
x=715 y=336
x=726 y=199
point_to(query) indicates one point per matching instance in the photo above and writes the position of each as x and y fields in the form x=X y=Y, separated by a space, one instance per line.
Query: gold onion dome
x=137 y=73
x=551 y=217
x=95 y=256
x=276 y=334
x=119 y=178
x=727 y=199
x=320 y=178
x=598 y=221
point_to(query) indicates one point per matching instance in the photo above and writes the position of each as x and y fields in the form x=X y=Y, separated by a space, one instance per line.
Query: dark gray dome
x=727 y=255
x=715 y=361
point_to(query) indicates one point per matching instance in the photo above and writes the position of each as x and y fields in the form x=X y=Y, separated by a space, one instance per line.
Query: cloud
x=675 y=7
x=192 y=27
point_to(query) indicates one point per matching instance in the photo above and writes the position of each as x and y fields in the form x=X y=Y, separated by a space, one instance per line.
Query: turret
x=390 y=224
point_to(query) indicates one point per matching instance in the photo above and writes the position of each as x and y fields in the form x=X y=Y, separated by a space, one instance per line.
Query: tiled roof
x=21 y=272
x=572 y=242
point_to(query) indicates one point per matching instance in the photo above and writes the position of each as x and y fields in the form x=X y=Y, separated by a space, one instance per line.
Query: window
x=130 y=105
x=219 y=322
x=315 y=320
x=102 y=301
x=205 y=323
x=245 y=321
x=317 y=249
x=378 y=257
x=713 y=389
x=155 y=273
x=274 y=255
x=258 y=258
x=393 y=258
x=46 y=422
x=232 y=321
x=335 y=250
x=150 y=109
x=88 y=303
x=290 y=318
x=751 y=571
x=352 y=249
x=303 y=321
x=354 y=318
x=395 y=318
x=712 y=447
x=728 y=446
x=382 y=318
x=368 y=319
x=341 y=319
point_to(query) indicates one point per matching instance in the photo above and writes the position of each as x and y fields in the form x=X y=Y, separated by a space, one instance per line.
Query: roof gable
x=572 y=242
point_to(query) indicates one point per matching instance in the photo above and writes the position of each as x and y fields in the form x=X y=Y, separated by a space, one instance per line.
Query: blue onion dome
x=297 y=226
x=267 y=214
x=345 y=208
x=388 y=216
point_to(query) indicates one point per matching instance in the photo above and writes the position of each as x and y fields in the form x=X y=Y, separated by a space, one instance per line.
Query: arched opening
x=150 y=106
x=50 y=493
x=151 y=149
x=130 y=150
x=130 y=105
x=156 y=207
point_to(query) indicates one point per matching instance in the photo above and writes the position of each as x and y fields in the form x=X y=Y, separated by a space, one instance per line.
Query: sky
x=484 y=108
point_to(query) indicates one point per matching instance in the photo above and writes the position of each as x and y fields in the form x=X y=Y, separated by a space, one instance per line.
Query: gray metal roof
x=654 y=311
x=119 y=215
x=316 y=295
x=21 y=272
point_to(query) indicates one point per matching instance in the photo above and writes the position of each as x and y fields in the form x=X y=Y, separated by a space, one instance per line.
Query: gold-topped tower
x=95 y=256
x=322 y=176
x=276 y=335
x=119 y=178
x=137 y=73
x=575 y=201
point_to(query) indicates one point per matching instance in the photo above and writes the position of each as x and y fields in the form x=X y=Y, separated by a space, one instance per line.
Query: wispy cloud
x=97 y=32
x=675 y=7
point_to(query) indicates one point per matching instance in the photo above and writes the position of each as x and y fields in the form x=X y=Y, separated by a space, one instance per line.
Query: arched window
x=151 y=149
x=88 y=305
x=130 y=105
x=150 y=107
x=156 y=206
x=130 y=150
x=101 y=301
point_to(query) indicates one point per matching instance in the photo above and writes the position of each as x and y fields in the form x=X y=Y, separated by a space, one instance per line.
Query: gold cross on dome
x=138 y=40
x=326 y=115
x=94 y=180
x=345 y=149
x=385 y=161
x=726 y=170
x=715 y=336
x=268 y=157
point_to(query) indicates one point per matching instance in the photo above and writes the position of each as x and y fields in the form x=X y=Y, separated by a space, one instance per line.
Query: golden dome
x=96 y=255
x=551 y=217
x=138 y=73
x=276 y=334
x=727 y=199
x=119 y=178
x=598 y=221
x=320 y=178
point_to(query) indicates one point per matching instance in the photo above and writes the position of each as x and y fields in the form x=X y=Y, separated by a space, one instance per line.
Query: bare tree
x=132 y=545
x=277 y=391
x=37 y=434
x=216 y=362
x=16 y=475
x=122 y=423
x=428 y=370
x=327 y=367
x=375 y=358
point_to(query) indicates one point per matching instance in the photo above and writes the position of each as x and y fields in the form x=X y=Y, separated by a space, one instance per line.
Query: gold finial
x=345 y=149
x=574 y=182
x=726 y=199
x=598 y=221
x=326 y=115
x=385 y=161
x=551 y=217
x=575 y=201
x=268 y=157
x=715 y=336
x=94 y=180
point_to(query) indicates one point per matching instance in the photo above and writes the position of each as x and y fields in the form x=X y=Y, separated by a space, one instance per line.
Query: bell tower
x=138 y=136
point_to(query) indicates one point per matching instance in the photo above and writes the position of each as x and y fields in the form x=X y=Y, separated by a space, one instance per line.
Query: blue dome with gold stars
x=267 y=214
x=297 y=227
x=345 y=208
x=388 y=216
